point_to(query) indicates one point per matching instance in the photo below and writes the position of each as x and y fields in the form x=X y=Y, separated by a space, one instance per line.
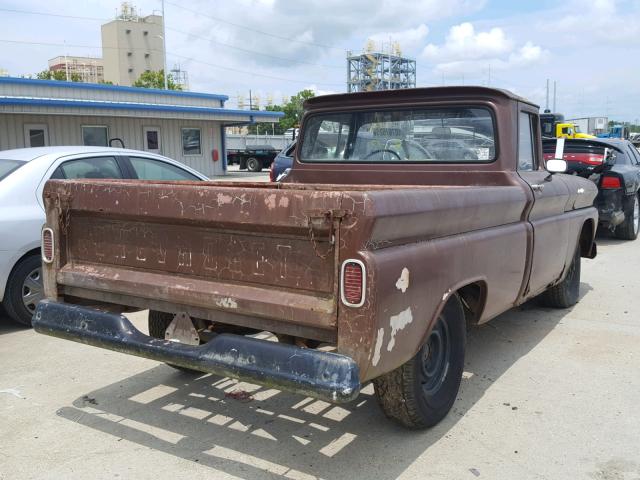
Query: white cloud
x=463 y=43
x=408 y=39
x=471 y=51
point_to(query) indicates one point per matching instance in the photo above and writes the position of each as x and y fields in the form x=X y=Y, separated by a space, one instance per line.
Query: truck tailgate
x=249 y=249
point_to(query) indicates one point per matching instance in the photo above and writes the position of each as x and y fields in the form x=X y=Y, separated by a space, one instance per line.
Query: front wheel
x=628 y=230
x=566 y=293
x=420 y=393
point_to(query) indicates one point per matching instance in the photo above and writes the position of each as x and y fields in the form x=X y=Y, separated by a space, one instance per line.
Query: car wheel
x=254 y=165
x=158 y=323
x=566 y=293
x=421 y=392
x=628 y=230
x=24 y=290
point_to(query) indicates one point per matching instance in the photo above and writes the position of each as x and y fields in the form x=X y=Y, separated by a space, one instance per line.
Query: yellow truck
x=554 y=126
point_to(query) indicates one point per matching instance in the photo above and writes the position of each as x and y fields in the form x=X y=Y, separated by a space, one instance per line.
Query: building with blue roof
x=186 y=126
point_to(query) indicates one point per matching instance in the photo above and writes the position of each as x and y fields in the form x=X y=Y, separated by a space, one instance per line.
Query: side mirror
x=556 y=165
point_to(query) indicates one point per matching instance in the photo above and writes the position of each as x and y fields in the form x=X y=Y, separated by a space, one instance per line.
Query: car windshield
x=433 y=135
x=8 y=166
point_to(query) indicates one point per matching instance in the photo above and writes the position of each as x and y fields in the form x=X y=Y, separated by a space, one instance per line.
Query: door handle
x=537 y=187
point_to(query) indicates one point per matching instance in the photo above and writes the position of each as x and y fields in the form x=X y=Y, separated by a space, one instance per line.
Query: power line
x=244 y=50
x=251 y=29
x=253 y=52
x=214 y=65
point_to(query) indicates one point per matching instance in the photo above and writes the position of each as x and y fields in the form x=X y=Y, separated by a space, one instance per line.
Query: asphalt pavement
x=547 y=394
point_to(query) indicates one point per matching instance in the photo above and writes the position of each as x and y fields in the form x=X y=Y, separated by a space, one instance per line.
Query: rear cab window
x=427 y=135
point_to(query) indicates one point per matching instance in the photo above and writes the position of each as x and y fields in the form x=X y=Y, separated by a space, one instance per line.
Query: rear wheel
x=254 y=165
x=158 y=323
x=421 y=392
x=566 y=293
x=628 y=230
x=24 y=290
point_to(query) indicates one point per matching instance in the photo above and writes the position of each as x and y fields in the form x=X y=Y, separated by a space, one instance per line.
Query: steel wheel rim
x=32 y=289
x=436 y=357
x=636 y=215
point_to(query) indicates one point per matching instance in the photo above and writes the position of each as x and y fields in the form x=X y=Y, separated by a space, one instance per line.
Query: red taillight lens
x=47 y=245
x=353 y=283
x=610 y=182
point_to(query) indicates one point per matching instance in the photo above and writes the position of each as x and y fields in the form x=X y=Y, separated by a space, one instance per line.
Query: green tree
x=60 y=75
x=151 y=79
x=293 y=111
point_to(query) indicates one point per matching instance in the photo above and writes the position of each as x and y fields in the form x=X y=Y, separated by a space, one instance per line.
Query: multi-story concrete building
x=131 y=45
x=89 y=69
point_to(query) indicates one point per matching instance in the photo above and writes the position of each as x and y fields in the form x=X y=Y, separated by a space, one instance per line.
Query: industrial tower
x=380 y=69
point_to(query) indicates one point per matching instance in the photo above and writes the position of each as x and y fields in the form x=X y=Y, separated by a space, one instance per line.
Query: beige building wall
x=90 y=69
x=130 y=47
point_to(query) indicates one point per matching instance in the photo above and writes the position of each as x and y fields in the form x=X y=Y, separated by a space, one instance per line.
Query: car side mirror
x=556 y=165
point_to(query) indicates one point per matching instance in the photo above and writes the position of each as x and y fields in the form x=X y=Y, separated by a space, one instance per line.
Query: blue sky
x=589 y=48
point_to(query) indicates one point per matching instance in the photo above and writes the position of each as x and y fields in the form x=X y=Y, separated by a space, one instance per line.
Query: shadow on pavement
x=9 y=326
x=284 y=435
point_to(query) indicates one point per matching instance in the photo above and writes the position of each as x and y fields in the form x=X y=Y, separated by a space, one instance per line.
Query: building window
x=147 y=55
x=95 y=135
x=36 y=135
x=145 y=33
x=191 y=144
x=129 y=54
x=131 y=70
x=128 y=31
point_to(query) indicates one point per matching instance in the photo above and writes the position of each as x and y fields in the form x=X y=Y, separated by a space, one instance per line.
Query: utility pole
x=547 y=103
x=164 y=48
x=554 y=96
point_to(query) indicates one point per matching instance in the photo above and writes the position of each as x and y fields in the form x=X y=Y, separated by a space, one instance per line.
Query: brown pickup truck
x=407 y=216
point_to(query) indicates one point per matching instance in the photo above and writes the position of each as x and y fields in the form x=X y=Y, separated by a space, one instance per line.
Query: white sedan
x=23 y=173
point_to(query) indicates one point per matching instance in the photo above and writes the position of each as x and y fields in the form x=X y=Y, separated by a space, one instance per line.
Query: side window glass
x=635 y=155
x=149 y=169
x=525 y=143
x=92 y=167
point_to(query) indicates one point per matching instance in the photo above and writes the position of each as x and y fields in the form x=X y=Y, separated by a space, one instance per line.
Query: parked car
x=282 y=162
x=23 y=173
x=366 y=247
x=614 y=166
x=253 y=158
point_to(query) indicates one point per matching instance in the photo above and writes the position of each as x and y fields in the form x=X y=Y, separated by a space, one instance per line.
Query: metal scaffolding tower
x=380 y=70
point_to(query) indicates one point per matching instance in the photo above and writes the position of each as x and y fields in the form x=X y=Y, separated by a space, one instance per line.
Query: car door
x=547 y=213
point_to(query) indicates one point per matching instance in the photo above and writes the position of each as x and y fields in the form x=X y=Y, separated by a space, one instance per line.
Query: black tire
x=628 y=230
x=254 y=164
x=421 y=392
x=242 y=164
x=24 y=290
x=158 y=323
x=566 y=293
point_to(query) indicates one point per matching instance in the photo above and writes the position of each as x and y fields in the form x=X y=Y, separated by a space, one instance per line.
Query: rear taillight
x=272 y=174
x=610 y=182
x=47 y=245
x=352 y=283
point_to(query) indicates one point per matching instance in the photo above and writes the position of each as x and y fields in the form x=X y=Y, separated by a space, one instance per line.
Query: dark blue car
x=282 y=161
